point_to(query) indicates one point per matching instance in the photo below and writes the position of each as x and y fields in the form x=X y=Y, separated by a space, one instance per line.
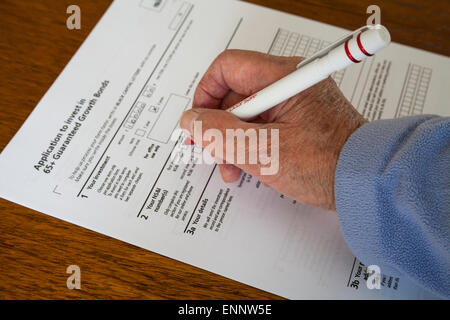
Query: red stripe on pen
x=349 y=55
x=358 y=41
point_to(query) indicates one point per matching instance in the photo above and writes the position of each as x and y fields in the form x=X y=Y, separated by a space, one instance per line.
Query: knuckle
x=224 y=55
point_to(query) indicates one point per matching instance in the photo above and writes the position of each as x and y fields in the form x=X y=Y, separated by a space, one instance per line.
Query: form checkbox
x=140 y=132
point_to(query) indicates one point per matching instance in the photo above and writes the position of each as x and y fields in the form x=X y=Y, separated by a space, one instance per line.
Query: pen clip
x=335 y=44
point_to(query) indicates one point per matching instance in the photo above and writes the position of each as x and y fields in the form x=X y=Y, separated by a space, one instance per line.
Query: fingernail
x=187 y=120
x=230 y=173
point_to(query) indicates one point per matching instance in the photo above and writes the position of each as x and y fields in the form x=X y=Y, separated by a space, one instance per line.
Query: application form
x=98 y=150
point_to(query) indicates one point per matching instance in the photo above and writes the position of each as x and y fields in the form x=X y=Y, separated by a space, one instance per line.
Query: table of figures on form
x=289 y=44
x=417 y=78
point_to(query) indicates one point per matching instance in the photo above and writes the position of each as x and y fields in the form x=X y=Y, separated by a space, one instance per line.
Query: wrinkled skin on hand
x=313 y=125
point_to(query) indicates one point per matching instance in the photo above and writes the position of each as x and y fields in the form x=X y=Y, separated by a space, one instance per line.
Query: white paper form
x=96 y=151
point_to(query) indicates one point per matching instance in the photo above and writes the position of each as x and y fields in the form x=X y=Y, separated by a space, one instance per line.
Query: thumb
x=205 y=126
x=198 y=121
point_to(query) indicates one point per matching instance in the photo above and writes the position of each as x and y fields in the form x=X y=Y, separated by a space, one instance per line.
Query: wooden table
x=36 y=249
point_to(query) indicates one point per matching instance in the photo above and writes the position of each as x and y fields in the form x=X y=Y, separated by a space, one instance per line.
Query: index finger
x=241 y=72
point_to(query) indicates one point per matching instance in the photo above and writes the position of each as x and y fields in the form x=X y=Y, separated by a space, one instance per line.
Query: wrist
x=345 y=130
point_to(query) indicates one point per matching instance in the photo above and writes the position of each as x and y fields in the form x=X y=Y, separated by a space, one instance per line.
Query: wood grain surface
x=36 y=249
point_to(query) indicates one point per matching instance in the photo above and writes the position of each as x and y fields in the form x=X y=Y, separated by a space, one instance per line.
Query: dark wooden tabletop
x=36 y=249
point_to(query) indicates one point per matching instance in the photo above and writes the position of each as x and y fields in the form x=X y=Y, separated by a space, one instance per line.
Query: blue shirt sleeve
x=392 y=187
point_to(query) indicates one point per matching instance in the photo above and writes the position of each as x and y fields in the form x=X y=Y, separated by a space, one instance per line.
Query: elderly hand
x=313 y=125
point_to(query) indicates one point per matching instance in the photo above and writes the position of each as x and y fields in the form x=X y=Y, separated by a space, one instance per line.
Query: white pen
x=351 y=49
